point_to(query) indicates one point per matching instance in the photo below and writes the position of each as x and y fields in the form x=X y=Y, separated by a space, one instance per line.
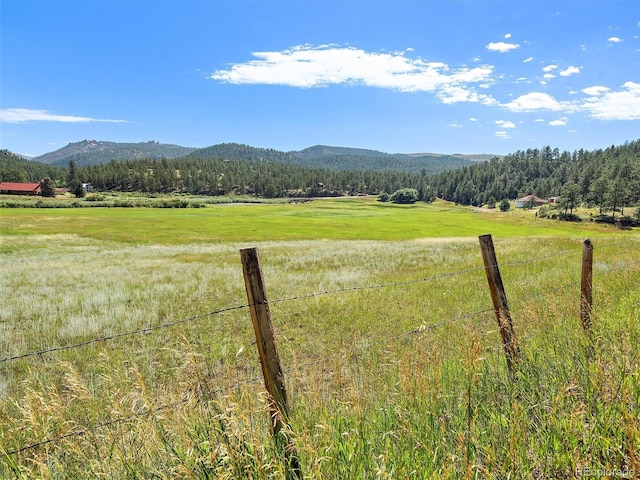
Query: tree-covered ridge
x=92 y=152
x=14 y=168
x=223 y=177
x=336 y=158
x=599 y=177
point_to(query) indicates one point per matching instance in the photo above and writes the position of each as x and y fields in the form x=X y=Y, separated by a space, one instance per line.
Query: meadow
x=127 y=349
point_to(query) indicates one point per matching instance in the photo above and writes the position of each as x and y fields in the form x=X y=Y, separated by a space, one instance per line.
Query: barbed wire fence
x=421 y=330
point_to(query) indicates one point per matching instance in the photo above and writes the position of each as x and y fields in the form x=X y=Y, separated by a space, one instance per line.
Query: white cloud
x=455 y=125
x=534 y=101
x=502 y=134
x=569 y=71
x=505 y=124
x=473 y=119
x=560 y=122
x=308 y=66
x=596 y=90
x=508 y=35
x=615 y=39
x=501 y=47
x=528 y=59
x=456 y=94
x=608 y=105
x=549 y=76
x=549 y=68
x=24 y=115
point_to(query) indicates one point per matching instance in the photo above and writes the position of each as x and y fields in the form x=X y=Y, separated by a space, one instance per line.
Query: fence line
x=420 y=330
x=417 y=331
x=238 y=307
x=280 y=300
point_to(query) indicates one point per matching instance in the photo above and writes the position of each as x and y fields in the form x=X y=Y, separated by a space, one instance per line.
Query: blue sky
x=402 y=76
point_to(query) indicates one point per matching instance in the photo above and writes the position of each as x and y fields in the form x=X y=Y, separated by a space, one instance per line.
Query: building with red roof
x=20 y=188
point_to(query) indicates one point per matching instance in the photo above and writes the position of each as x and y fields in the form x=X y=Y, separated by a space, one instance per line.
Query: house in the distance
x=529 y=200
x=20 y=188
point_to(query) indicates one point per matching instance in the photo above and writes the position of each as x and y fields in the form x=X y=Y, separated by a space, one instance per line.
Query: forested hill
x=203 y=176
x=598 y=177
x=337 y=158
x=14 y=168
x=93 y=152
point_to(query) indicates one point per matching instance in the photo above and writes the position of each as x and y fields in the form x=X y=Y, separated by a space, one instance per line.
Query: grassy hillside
x=384 y=325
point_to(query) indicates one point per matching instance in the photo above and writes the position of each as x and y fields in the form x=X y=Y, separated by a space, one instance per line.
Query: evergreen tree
x=48 y=188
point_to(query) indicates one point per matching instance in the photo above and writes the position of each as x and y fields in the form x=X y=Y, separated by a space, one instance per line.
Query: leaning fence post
x=269 y=359
x=500 y=304
x=586 y=297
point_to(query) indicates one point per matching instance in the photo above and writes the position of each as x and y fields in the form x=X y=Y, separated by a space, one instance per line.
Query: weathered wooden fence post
x=500 y=304
x=586 y=298
x=269 y=359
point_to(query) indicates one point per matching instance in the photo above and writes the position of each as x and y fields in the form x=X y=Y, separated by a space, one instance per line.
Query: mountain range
x=93 y=152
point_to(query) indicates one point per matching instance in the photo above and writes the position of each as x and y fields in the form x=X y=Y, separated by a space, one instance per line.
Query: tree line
x=607 y=178
x=205 y=176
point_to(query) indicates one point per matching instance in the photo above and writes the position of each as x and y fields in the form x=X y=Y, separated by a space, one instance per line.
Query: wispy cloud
x=308 y=66
x=528 y=59
x=534 y=101
x=505 y=124
x=25 y=115
x=596 y=90
x=560 y=122
x=501 y=47
x=569 y=71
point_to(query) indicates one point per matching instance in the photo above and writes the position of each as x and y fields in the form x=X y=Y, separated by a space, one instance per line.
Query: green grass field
x=337 y=219
x=384 y=326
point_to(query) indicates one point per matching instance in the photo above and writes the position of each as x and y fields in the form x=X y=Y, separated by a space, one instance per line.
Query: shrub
x=384 y=197
x=405 y=195
x=569 y=217
x=505 y=205
x=543 y=212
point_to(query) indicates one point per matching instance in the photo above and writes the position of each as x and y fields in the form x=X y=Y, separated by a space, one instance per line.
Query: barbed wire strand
x=280 y=300
x=85 y=430
x=120 y=335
